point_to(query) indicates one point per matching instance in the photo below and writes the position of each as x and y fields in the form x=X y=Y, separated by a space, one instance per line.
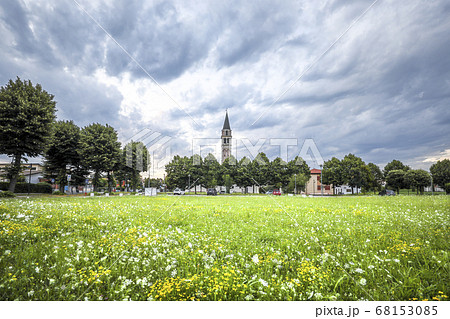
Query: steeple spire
x=226 y=124
x=226 y=138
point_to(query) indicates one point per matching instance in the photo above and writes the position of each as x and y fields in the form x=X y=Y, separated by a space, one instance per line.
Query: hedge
x=23 y=187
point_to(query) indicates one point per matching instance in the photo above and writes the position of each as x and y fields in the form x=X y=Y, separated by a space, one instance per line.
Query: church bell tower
x=226 y=138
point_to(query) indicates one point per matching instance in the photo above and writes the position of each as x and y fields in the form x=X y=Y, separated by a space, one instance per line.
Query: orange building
x=314 y=187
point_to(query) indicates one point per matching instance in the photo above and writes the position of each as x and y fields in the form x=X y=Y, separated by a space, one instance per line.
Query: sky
x=370 y=78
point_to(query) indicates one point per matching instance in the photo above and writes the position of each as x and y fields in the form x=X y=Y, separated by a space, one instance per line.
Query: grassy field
x=225 y=248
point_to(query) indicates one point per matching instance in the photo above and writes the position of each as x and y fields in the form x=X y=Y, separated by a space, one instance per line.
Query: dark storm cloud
x=381 y=92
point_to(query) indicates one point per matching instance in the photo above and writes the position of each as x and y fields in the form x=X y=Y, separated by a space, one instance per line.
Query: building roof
x=226 y=124
x=315 y=171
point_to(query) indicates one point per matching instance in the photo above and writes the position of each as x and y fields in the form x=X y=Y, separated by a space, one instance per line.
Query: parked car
x=211 y=191
x=386 y=192
x=276 y=192
x=178 y=191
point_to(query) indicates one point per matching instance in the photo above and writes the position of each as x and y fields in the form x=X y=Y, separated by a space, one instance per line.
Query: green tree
x=211 y=171
x=133 y=161
x=62 y=155
x=355 y=172
x=300 y=180
x=27 y=113
x=377 y=177
x=197 y=171
x=259 y=171
x=100 y=150
x=178 y=171
x=299 y=167
x=418 y=179
x=447 y=188
x=441 y=172
x=278 y=173
x=229 y=167
x=332 y=173
x=228 y=182
x=394 y=165
x=396 y=179
x=243 y=177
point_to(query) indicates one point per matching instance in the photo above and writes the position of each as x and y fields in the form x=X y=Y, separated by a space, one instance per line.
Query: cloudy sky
x=363 y=77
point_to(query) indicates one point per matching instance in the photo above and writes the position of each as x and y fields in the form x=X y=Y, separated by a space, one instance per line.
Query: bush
x=7 y=194
x=58 y=193
x=23 y=187
x=447 y=188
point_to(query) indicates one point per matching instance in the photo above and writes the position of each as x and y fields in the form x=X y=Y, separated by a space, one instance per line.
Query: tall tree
x=63 y=150
x=298 y=167
x=178 y=171
x=377 y=177
x=418 y=179
x=259 y=171
x=299 y=181
x=243 y=177
x=26 y=115
x=100 y=150
x=441 y=172
x=133 y=161
x=355 y=171
x=278 y=173
x=396 y=179
x=211 y=171
x=332 y=173
x=394 y=165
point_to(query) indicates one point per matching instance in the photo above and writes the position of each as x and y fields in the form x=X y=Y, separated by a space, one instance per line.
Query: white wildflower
x=255 y=259
x=362 y=281
x=263 y=282
x=30 y=293
x=359 y=270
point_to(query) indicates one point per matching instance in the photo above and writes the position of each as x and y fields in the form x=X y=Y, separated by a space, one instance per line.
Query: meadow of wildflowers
x=225 y=248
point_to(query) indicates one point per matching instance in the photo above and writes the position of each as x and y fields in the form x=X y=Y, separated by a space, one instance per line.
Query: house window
x=318 y=177
x=327 y=187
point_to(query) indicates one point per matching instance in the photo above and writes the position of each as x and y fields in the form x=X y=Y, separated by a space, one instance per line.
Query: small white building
x=346 y=190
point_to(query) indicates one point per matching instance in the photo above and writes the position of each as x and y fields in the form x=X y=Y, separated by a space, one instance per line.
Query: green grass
x=225 y=248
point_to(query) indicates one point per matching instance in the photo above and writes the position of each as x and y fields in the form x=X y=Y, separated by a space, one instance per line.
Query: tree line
x=185 y=172
x=353 y=171
x=28 y=128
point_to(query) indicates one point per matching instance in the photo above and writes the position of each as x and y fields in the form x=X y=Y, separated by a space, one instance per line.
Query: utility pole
x=295 y=188
x=29 y=179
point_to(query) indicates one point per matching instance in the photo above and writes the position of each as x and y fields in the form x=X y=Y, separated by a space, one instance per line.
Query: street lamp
x=29 y=179
x=321 y=185
x=68 y=179
x=295 y=187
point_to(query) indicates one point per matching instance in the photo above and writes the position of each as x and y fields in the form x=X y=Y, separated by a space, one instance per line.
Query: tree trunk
x=15 y=173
